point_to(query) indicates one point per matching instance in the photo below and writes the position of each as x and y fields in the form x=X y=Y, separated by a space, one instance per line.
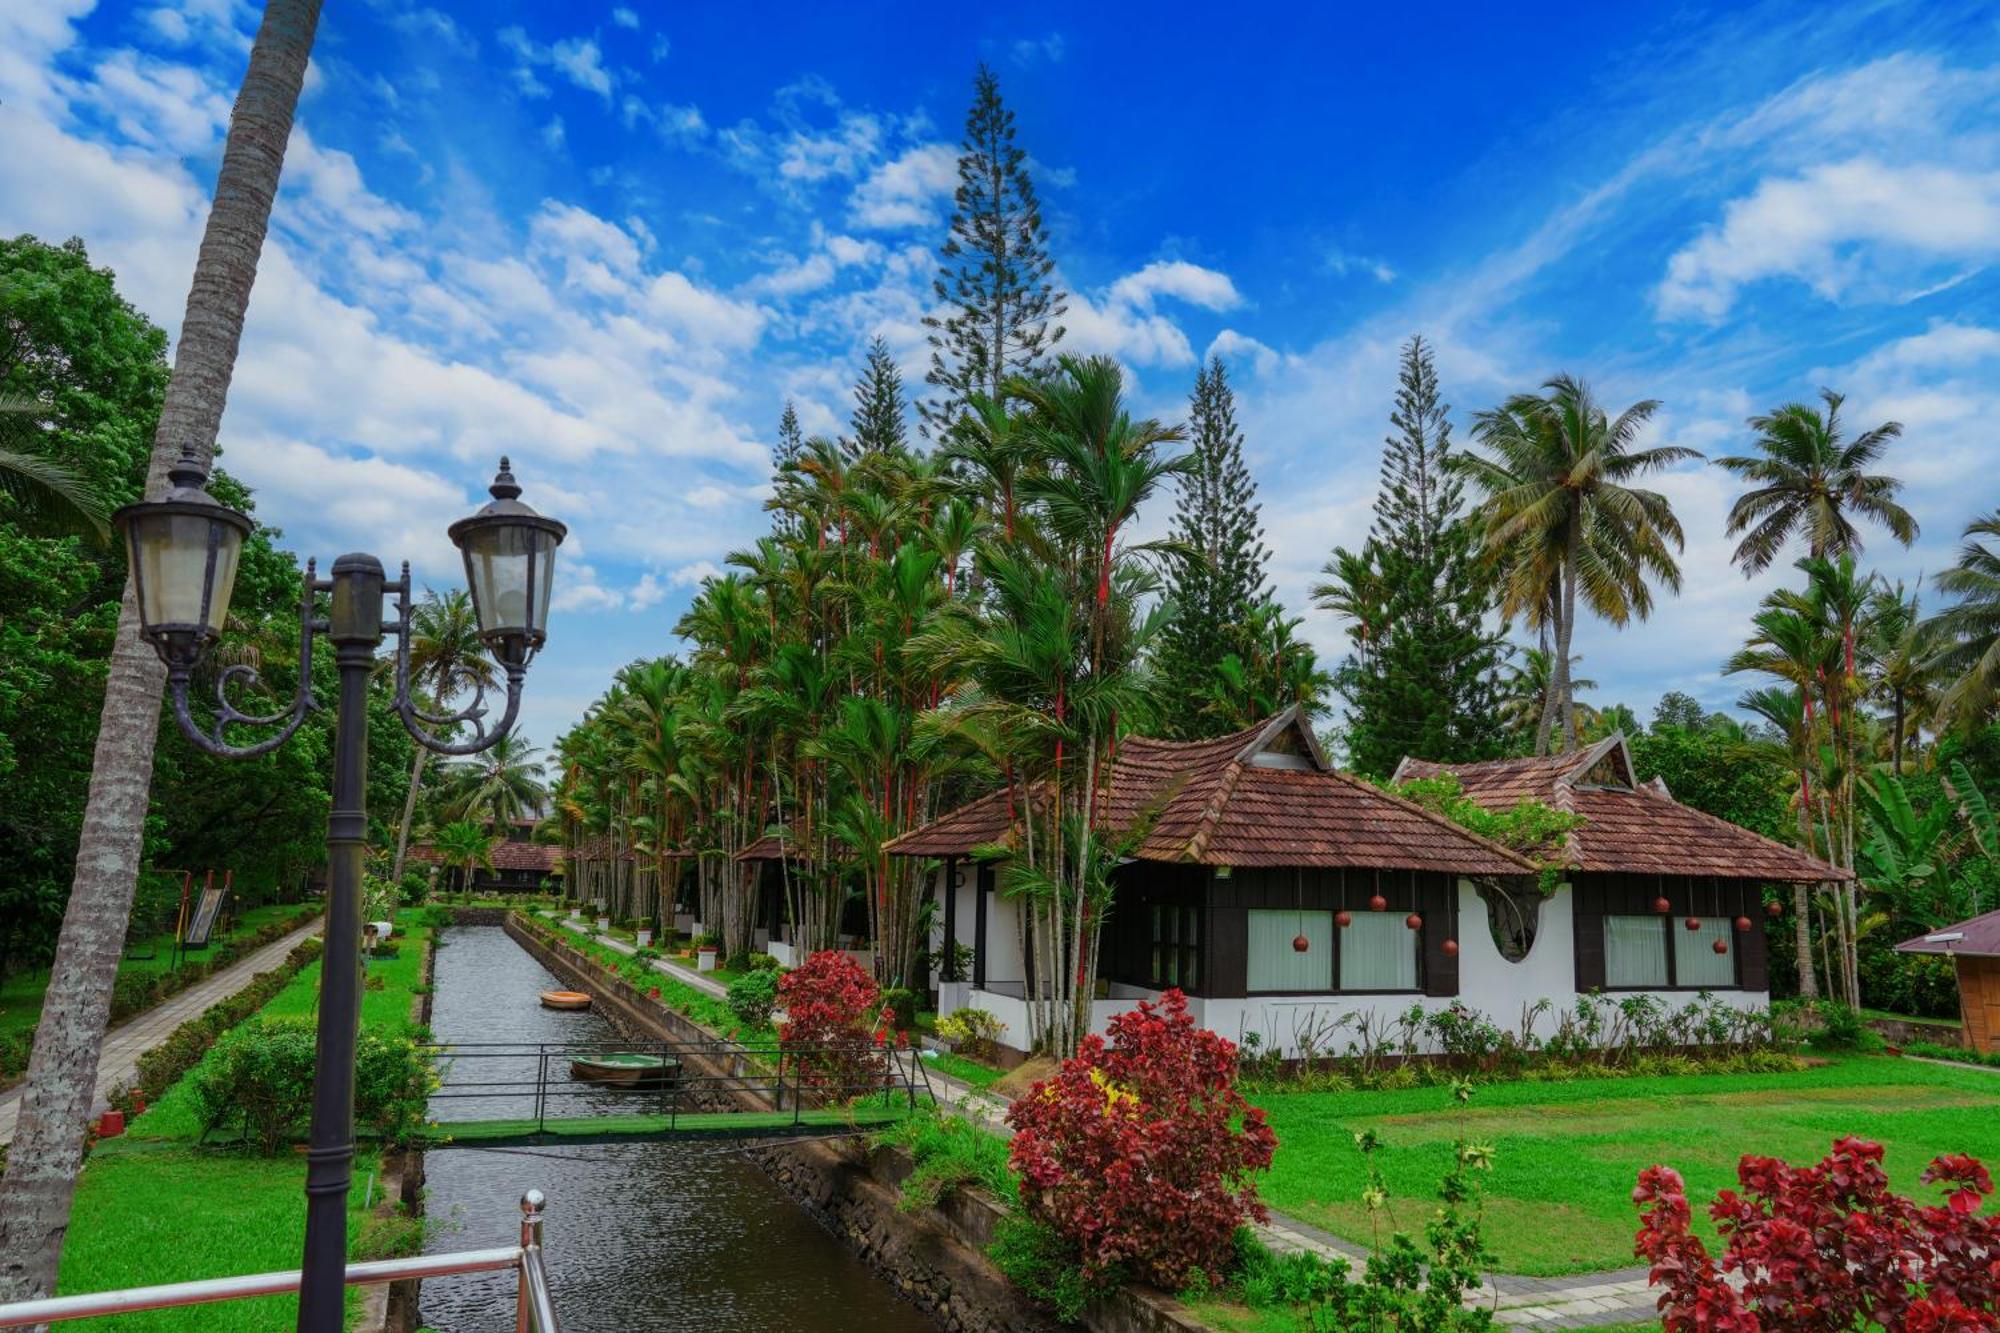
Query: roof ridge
x=1371 y=789
x=1211 y=811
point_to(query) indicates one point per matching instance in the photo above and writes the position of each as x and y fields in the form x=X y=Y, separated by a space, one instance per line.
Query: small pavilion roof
x=1631 y=827
x=1264 y=796
x=773 y=846
x=1976 y=938
x=513 y=854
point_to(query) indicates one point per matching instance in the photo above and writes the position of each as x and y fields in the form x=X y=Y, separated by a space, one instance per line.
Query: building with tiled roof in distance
x=1657 y=897
x=1279 y=894
x=519 y=866
x=1974 y=949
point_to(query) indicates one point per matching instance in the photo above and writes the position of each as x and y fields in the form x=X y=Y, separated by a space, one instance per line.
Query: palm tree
x=465 y=847
x=1808 y=478
x=1900 y=662
x=1561 y=519
x=47 y=1152
x=1353 y=589
x=1524 y=701
x=446 y=656
x=1968 y=631
x=1788 y=709
x=49 y=496
x=499 y=786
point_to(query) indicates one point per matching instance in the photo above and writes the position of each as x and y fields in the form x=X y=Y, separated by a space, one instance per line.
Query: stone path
x=124 y=1044
x=682 y=974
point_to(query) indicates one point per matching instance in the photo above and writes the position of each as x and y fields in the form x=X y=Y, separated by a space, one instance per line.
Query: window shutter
x=1440 y=899
x=1588 y=916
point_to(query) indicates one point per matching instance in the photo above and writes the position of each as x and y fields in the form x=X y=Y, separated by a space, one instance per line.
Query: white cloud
x=646 y=593
x=1342 y=262
x=625 y=18
x=807 y=156
x=158 y=104
x=1841 y=228
x=1204 y=287
x=1233 y=346
x=577 y=59
x=1030 y=50
x=906 y=190
x=552 y=134
x=1123 y=322
x=661 y=47
x=706 y=314
x=691 y=575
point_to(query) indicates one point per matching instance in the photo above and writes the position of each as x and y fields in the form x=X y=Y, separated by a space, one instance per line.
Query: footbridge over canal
x=621 y=1089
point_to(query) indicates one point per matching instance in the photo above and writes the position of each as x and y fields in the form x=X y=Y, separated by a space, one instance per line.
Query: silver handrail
x=535 y=1310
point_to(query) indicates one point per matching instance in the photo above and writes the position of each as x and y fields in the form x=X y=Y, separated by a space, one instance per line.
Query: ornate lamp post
x=184 y=550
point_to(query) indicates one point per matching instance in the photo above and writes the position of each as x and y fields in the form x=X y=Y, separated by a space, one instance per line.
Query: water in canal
x=639 y=1236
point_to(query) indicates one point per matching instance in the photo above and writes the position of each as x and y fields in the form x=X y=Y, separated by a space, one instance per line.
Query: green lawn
x=155 y=1206
x=954 y=1065
x=1558 y=1199
x=21 y=994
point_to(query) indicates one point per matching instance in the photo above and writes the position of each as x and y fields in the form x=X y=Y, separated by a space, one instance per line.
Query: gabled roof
x=514 y=854
x=1265 y=796
x=1977 y=938
x=1631 y=827
x=773 y=846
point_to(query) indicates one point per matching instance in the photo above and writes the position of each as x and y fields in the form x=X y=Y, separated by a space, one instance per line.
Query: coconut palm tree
x=46 y=495
x=1968 y=631
x=1900 y=663
x=47 y=1151
x=499 y=786
x=465 y=846
x=1524 y=701
x=1807 y=478
x=1562 y=520
x=446 y=657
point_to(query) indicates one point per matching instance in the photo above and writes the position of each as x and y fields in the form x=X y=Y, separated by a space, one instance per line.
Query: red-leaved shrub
x=826 y=1002
x=1826 y=1247
x=1134 y=1151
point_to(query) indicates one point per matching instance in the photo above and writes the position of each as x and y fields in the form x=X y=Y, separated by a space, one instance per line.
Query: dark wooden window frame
x=1669 y=923
x=1339 y=940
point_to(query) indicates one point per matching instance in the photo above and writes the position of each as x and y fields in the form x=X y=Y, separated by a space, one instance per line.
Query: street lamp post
x=184 y=550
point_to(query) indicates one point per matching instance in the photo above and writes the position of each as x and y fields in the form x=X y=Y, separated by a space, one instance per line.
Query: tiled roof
x=1262 y=797
x=1636 y=828
x=509 y=855
x=1978 y=938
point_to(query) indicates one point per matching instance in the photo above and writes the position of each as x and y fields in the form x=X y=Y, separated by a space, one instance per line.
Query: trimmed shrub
x=752 y=996
x=262 y=1075
x=1139 y=1153
x=902 y=1004
x=827 y=1002
x=972 y=1032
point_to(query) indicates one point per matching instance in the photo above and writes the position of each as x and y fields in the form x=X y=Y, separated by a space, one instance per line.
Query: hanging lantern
x=1378 y=904
x=1343 y=919
x=1694 y=923
x=1774 y=908
x=1413 y=921
x=1300 y=944
x=1720 y=946
x=1742 y=925
x=1451 y=948
x=1662 y=906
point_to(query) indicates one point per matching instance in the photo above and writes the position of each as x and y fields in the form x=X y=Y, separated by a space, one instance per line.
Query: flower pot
x=704 y=960
x=644 y=938
x=111 y=1124
x=576 y=913
x=603 y=924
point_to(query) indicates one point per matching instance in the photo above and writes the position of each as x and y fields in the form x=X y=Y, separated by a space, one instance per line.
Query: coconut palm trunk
x=1559 y=676
x=409 y=814
x=47 y=1152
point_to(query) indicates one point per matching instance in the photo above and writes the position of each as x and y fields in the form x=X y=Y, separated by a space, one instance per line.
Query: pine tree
x=1428 y=683
x=1215 y=590
x=877 y=422
x=994 y=274
x=791 y=439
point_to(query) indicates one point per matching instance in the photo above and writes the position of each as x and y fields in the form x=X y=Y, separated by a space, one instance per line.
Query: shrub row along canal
x=640 y=1235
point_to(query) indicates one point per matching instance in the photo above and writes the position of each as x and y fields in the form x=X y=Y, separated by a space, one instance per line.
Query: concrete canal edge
x=935 y=1257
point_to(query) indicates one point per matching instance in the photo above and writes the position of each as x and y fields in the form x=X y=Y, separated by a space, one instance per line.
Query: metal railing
x=534 y=1310
x=692 y=1076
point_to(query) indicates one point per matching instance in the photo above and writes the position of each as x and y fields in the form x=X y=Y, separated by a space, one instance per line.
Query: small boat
x=626 y=1069
x=565 y=999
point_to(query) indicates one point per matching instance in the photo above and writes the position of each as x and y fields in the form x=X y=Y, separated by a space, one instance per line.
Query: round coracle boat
x=565 y=999
x=626 y=1069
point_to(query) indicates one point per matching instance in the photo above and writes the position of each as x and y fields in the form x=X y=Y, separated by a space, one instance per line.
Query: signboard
x=202 y=923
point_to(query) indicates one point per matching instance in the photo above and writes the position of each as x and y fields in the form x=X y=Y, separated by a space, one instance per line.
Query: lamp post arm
x=417 y=722
x=214 y=741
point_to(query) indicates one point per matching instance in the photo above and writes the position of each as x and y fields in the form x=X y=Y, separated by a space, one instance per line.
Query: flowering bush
x=826 y=1003
x=1826 y=1247
x=1138 y=1153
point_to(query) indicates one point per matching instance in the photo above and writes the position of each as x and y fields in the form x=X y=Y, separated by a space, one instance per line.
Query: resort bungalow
x=1286 y=899
x=1657 y=897
x=1974 y=948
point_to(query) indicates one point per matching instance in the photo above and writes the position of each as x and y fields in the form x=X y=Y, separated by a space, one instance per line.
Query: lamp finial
x=504 y=486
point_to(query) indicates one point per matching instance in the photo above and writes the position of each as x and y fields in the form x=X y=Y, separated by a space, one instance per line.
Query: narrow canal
x=640 y=1236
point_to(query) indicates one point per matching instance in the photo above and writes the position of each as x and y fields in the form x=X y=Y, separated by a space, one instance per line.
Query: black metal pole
x=355 y=627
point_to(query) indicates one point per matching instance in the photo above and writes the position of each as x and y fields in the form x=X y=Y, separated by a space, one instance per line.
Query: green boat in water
x=626 y=1069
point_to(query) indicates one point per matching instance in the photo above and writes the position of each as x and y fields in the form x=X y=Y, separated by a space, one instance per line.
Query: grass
x=950 y=1153
x=1226 y=1316
x=699 y=1005
x=21 y=993
x=155 y=1206
x=969 y=1072
x=1886 y=1016
x=1558 y=1199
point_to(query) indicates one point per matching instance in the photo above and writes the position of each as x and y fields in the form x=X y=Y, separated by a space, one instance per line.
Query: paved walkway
x=124 y=1044
x=685 y=975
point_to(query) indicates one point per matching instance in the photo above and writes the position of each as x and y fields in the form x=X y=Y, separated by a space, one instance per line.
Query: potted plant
x=643 y=937
x=706 y=948
x=603 y=923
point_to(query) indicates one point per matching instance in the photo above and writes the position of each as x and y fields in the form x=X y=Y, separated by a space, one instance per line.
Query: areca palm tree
x=1353 y=590
x=465 y=846
x=1901 y=664
x=1968 y=631
x=47 y=1151
x=446 y=657
x=1808 y=478
x=1563 y=521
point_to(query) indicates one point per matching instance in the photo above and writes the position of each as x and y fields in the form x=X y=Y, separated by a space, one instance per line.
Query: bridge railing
x=693 y=1076
x=534 y=1312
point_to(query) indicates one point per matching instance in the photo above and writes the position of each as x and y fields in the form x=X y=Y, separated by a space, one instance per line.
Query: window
x=1635 y=952
x=1378 y=952
x=1696 y=963
x=1274 y=965
x=1176 y=952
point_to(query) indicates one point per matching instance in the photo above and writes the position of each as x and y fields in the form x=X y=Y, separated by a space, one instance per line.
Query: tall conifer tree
x=877 y=422
x=791 y=439
x=994 y=273
x=1427 y=683
x=1215 y=590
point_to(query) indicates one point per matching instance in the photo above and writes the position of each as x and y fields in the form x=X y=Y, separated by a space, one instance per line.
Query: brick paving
x=124 y=1044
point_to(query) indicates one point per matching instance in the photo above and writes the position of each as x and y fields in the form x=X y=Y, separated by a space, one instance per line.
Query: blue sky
x=613 y=240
